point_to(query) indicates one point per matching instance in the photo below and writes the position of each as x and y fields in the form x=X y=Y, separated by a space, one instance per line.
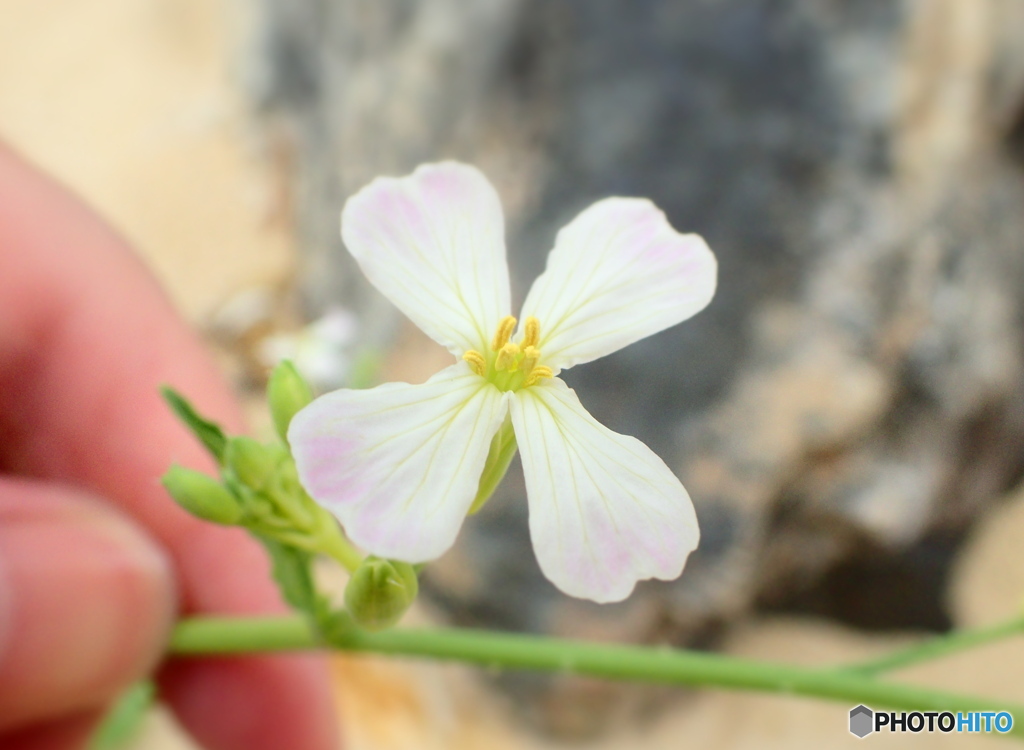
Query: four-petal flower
x=400 y=464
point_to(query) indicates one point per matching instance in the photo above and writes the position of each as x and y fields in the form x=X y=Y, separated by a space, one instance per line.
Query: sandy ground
x=133 y=103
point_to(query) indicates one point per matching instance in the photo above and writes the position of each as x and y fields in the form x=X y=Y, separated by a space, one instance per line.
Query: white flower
x=321 y=351
x=400 y=464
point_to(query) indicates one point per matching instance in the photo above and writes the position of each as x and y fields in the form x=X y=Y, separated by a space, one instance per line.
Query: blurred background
x=847 y=414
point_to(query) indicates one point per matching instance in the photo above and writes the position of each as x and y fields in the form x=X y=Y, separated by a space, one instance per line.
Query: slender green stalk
x=938 y=647
x=340 y=548
x=240 y=635
x=124 y=720
x=515 y=651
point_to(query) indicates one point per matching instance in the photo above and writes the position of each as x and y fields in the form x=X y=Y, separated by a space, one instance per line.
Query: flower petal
x=618 y=273
x=605 y=511
x=434 y=244
x=399 y=464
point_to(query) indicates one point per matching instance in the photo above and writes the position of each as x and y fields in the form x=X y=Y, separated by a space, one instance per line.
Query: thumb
x=86 y=603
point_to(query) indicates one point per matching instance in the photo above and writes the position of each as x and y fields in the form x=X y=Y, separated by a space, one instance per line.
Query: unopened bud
x=202 y=496
x=379 y=592
x=287 y=393
x=252 y=462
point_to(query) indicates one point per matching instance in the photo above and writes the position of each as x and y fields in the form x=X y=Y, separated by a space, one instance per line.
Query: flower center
x=511 y=366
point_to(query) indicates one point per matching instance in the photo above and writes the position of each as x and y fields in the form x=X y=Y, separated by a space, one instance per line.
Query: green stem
x=124 y=719
x=617 y=662
x=333 y=542
x=938 y=647
x=326 y=539
x=240 y=635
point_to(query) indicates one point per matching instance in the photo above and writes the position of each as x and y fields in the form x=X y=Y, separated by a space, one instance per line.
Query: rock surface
x=851 y=400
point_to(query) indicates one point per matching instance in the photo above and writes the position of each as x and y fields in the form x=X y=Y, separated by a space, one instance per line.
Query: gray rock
x=854 y=392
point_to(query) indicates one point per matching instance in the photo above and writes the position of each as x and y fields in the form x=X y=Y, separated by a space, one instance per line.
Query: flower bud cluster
x=259 y=487
x=259 y=490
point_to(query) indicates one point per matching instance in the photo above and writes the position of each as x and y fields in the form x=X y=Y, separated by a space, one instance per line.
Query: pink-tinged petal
x=618 y=273
x=605 y=511
x=434 y=244
x=399 y=464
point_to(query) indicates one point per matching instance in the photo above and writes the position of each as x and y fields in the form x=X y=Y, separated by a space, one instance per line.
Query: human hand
x=95 y=561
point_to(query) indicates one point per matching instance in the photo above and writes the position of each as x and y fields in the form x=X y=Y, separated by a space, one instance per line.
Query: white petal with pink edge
x=433 y=243
x=399 y=464
x=605 y=511
x=618 y=273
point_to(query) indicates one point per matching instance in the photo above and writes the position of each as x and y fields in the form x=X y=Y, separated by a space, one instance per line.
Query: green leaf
x=209 y=433
x=292 y=569
x=123 y=721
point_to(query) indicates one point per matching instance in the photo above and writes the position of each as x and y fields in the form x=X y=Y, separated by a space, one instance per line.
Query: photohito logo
x=864 y=721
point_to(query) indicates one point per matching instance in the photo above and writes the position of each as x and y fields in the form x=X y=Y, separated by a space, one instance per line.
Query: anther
x=532 y=335
x=504 y=332
x=538 y=374
x=507 y=358
x=530 y=356
x=476 y=361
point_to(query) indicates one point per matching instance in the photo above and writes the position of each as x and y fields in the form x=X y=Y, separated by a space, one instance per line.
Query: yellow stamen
x=507 y=358
x=501 y=337
x=476 y=361
x=530 y=356
x=515 y=366
x=537 y=374
x=532 y=336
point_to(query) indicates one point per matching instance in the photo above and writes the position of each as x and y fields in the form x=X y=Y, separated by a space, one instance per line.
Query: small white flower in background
x=321 y=351
x=400 y=464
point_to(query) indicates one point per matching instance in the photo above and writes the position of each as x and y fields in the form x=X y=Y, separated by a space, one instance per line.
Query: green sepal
x=499 y=457
x=209 y=433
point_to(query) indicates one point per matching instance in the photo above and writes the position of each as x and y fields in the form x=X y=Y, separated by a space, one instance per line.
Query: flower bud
x=202 y=496
x=379 y=592
x=252 y=462
x=287 y=393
